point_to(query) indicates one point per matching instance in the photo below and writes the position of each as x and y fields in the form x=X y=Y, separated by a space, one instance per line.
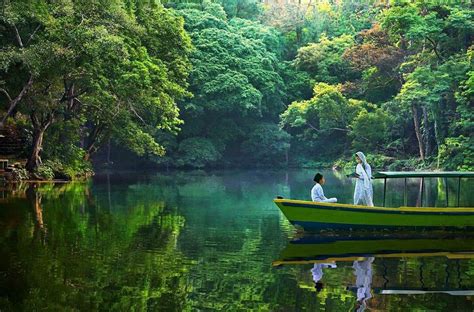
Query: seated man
x=317 y=193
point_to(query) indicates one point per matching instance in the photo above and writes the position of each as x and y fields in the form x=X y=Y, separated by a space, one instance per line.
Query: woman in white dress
x=363 y=193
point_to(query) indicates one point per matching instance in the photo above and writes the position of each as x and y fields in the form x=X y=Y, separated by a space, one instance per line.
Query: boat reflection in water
x=417 y=264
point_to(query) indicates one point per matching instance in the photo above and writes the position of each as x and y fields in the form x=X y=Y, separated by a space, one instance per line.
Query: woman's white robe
x=363 y=193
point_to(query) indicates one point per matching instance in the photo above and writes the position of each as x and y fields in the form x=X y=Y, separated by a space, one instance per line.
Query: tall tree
x=234 y=79
x=101 y=64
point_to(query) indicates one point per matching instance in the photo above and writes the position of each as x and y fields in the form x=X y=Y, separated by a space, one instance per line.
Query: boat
x=323 y=249
x=312 y=216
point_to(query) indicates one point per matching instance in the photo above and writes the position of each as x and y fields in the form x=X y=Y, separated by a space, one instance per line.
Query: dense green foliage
x=412 y=66
x=83 y=71
x=228 y=83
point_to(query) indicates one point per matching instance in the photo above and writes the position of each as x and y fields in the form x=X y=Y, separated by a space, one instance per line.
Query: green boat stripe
x=374 y=210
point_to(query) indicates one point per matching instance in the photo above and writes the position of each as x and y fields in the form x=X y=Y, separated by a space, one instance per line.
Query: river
x=211 y=241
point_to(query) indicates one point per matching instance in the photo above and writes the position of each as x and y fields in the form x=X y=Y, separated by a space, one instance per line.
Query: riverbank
x=55 y=172
x=14 y=170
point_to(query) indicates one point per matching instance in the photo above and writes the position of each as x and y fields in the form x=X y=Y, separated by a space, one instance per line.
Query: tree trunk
x=419 y=137
x=426 y=131
x=299 y=35
x=39 y=128
x=35 y=160
x=108 y=151
x=88 y=154
x=92 y=141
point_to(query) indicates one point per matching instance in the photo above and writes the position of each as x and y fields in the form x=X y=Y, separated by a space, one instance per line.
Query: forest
x=225 y=84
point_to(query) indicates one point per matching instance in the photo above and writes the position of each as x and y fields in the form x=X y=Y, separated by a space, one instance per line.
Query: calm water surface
x=196 y=241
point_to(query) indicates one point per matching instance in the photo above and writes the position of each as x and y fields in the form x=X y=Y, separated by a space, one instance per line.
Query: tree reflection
x=191 y=241
x=92 y=257
x=34 y=198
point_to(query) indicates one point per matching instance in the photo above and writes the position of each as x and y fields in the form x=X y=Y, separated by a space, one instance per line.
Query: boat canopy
x=423 y=174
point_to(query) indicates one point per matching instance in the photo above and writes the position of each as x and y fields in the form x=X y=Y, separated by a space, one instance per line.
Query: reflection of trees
x=433 y=273
x=122 y=260
x=233 y=231
x=184 y=241
x=34 y=199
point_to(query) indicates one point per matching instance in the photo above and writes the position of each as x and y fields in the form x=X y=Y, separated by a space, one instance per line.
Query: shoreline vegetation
x=204 y=84
x=380 y=163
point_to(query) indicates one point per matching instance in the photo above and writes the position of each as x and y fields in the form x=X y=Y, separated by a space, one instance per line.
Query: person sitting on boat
x=317 y=193
x=363 y=193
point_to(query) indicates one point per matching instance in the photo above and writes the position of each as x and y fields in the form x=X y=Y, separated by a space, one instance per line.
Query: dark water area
x=215 y=241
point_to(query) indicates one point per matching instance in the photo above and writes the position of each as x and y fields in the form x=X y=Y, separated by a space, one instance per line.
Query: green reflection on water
x=187 y=241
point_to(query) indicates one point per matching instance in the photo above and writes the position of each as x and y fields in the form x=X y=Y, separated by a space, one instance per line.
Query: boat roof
x=423 y=174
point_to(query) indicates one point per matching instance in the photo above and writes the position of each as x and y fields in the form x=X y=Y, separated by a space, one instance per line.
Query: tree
x=267 y=145
x=457 y=150
x=378 y=60
x=325 y=118
x=142 y=100
x=248 y=9
x=289 y=18
x=323 y=60
x=97 y=64
x=369 y=130
x=235 y=79
x=197 y=153
x=431 y=90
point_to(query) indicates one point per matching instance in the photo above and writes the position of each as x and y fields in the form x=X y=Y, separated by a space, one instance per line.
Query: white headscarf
x=367 y=169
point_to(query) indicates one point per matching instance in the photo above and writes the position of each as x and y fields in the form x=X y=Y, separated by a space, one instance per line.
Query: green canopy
x=423 y=174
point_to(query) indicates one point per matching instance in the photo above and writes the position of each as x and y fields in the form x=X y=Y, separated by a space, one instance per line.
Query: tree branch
x=322 y=130
x=337 y=129
x=435 y=48
x=78 y=102
x=18 y=37
x=15 y=101
x=136 y=114
x=33 y=34
x=6 y=94
x=312 y=127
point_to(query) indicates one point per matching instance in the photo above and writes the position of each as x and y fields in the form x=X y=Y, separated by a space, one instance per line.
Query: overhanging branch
x=18 y=37
x=6 y=94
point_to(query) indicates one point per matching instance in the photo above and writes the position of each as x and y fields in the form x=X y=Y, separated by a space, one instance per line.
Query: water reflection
x=396 y=264
x=190 y=241
x=363 y=273
x=65 y=247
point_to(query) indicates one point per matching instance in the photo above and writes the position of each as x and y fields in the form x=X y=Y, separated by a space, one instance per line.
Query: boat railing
x=422 y=175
